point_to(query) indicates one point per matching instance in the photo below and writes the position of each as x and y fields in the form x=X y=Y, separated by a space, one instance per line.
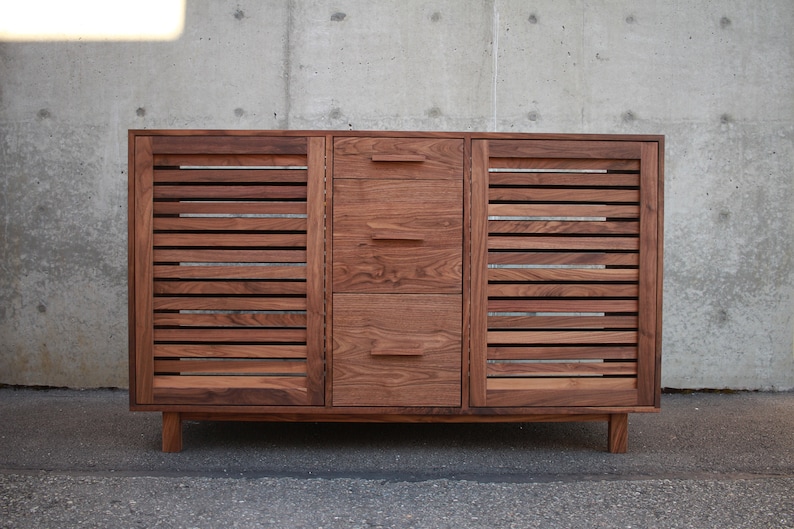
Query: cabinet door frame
x=543 y=152
x=273 y=374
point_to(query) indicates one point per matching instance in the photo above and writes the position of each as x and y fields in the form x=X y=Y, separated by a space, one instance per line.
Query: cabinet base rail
x=617 y=437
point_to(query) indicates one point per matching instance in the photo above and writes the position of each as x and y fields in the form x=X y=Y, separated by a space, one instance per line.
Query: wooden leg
x=172 y=432
x=618 y=433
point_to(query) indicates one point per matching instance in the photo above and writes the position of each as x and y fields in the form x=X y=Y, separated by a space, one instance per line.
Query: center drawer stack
x=397 y=271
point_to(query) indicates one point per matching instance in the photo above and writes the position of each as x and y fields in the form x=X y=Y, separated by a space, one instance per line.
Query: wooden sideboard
x=394 y=276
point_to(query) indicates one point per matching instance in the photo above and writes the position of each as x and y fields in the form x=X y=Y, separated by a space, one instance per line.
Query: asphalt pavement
x=71 y=458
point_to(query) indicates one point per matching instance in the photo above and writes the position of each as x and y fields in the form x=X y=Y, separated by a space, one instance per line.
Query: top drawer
x=399 y=158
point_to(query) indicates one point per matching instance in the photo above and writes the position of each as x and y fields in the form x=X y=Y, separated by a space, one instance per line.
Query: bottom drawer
x=396 y=350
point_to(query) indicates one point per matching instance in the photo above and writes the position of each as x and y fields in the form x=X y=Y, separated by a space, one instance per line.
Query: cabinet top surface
x=390 y=133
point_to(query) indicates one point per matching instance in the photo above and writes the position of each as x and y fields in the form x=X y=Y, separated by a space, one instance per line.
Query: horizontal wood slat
x=230 y=224
x=562 y=383
x=562 y=369
x=185 y=192
x=530 y=195
x=212 y=240
x=562 y=274
x=230 y=303
x=560 y=395
x=556 y=352
x=565 y=150
x=569 y=322
x=565 y=179
x=229 y=335
x=229 y=272
x=544 y=242
x=239 y=390
x=569 y=227
x=231 y=160
x=230 y=351
x=561 y=337
x=563 y=210
x=230 y=208
x=290 y=255
x=563 y=290
x=565 y=164
x=216 y=367
x=562 y=305
x=224 y=176
x=225 y=382
x=208 y=144
x=250 y=288
x=230 y=320
x=563 y=258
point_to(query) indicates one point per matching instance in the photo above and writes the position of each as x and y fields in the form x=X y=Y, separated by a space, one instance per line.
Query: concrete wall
x=715 y=77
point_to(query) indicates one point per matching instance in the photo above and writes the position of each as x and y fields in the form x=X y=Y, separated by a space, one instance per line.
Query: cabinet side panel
x=479 y=272
x=142 y=270
x=329 y=273
x=646 y=357
x=314 y=273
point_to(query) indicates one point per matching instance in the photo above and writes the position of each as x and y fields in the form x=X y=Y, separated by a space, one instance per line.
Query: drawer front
x=394 y=236
x=397 y=350
x=399 y=158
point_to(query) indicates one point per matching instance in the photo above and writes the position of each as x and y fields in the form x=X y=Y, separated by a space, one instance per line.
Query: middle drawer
x=397 y=236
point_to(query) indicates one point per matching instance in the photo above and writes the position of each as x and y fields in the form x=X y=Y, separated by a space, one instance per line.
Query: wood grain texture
x=564 y=179
x=539 y=194
x=649 y=260
x=230 y=160
x=398 y=158
x=230 y=208
x=566 y=322
x=172 y=432
x=567 y=352
x=227 y=255
x=564 y=210
x=224 y=144
x=393 y=237
x=479 y=273
x=240 y=390
x=564 y=149
x=367 y=323
x=222 y=176
x=565 y=163
x=561 y=369
x=567 y=227
x=618 y=435
x=221 y=288
x=562 y=258
x=142 y=274
x=315 y=280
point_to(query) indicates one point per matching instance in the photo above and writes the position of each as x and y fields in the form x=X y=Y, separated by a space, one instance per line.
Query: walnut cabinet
x=394 y=276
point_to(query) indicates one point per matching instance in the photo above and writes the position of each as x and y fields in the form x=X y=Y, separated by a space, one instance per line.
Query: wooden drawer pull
x=410 y=350
x=398 y=236
x=399 y=158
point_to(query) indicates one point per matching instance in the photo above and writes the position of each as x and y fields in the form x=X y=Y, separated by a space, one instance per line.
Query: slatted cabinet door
x=565 y=274
x=227 y=277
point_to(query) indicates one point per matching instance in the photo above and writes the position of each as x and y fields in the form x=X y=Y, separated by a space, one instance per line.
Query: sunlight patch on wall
x=91 y=20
